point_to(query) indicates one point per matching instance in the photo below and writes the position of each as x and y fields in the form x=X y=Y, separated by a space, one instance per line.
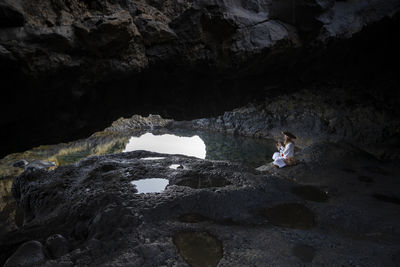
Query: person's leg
x=279 y=162
x=275 y=156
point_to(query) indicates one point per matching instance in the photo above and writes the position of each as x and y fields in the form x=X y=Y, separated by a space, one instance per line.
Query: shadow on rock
x=311 y=193
x=292 y=215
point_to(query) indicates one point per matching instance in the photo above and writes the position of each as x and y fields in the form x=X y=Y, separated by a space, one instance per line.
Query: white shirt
x=287 y=151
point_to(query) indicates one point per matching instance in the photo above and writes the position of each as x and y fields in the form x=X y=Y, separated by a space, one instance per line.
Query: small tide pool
x=192 y=146
x=205 y=145
x=150 y=185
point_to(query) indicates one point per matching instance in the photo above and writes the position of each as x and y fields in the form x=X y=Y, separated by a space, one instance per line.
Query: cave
x=81 y=79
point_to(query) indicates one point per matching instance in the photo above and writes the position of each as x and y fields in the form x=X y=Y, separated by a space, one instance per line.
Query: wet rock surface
x=90 y=213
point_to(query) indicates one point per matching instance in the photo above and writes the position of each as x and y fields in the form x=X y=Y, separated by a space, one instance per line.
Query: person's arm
x=288 y=151
x=280 y=147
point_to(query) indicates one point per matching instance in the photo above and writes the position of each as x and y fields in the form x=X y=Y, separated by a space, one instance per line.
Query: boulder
x=11 y=13
x=28 y=254
x=57 y=245
x=154 y=32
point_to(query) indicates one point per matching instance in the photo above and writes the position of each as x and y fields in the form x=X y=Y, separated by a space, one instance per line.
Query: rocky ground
x=321 y=69
x=338 y=207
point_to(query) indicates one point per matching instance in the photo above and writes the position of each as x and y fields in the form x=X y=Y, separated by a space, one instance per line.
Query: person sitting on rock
x=285 y=156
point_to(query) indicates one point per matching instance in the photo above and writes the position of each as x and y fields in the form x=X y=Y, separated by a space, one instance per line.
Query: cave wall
x=69 y=68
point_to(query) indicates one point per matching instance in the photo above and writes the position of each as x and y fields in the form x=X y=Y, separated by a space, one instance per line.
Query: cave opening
x=141 y=132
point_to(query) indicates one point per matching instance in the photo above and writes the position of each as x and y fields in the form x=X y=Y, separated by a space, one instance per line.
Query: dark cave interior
x=58 y=109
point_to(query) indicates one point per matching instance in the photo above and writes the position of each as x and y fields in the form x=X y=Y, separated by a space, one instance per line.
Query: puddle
x=150 y=185
x=304 y=252
x=198 y=182
x=176 y=166
x=168 y=144
x=199 y=249
x=311 y=193
x=292 y=215
x=192 y=218
x=386 y=198
x=365 y=179
x=153 y=158
x=215 y=146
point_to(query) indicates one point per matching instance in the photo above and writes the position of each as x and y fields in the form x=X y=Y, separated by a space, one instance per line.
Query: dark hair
x=288 y=140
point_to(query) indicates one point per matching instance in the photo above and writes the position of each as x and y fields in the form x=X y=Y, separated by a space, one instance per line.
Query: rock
x=154 y=32
x=11 y=13
x=20 y=163
x=4 y=53
x=40 y=164
x=57 y=38
x=29 y=254
x=57 y=245
x=96 y=208
x=137 y=122
x=106 y=35
x=204 y=53
x=310 y=193
x=314 y=118
x=304 y=253
x=263 y=168
x=192 y=218
x=197 y=182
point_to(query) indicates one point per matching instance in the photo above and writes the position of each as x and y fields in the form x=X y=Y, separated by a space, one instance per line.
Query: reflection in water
x=249 y=151
x=176 y=166
x=214 y=146
x=150 y=185
x=153 y=158
x=199 y=249
x=169 y=144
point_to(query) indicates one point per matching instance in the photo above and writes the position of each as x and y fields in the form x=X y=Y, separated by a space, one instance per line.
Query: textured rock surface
x=105 y=222
x=318 y=115
x=29 y=254
x=57 y=246
x=79 y=65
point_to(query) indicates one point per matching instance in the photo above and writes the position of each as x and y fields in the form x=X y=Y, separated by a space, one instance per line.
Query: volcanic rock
x=28 y=254
x=188 y=58
x=105 y=221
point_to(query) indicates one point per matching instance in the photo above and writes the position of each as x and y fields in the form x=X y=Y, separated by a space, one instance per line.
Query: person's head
x=288 y=137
